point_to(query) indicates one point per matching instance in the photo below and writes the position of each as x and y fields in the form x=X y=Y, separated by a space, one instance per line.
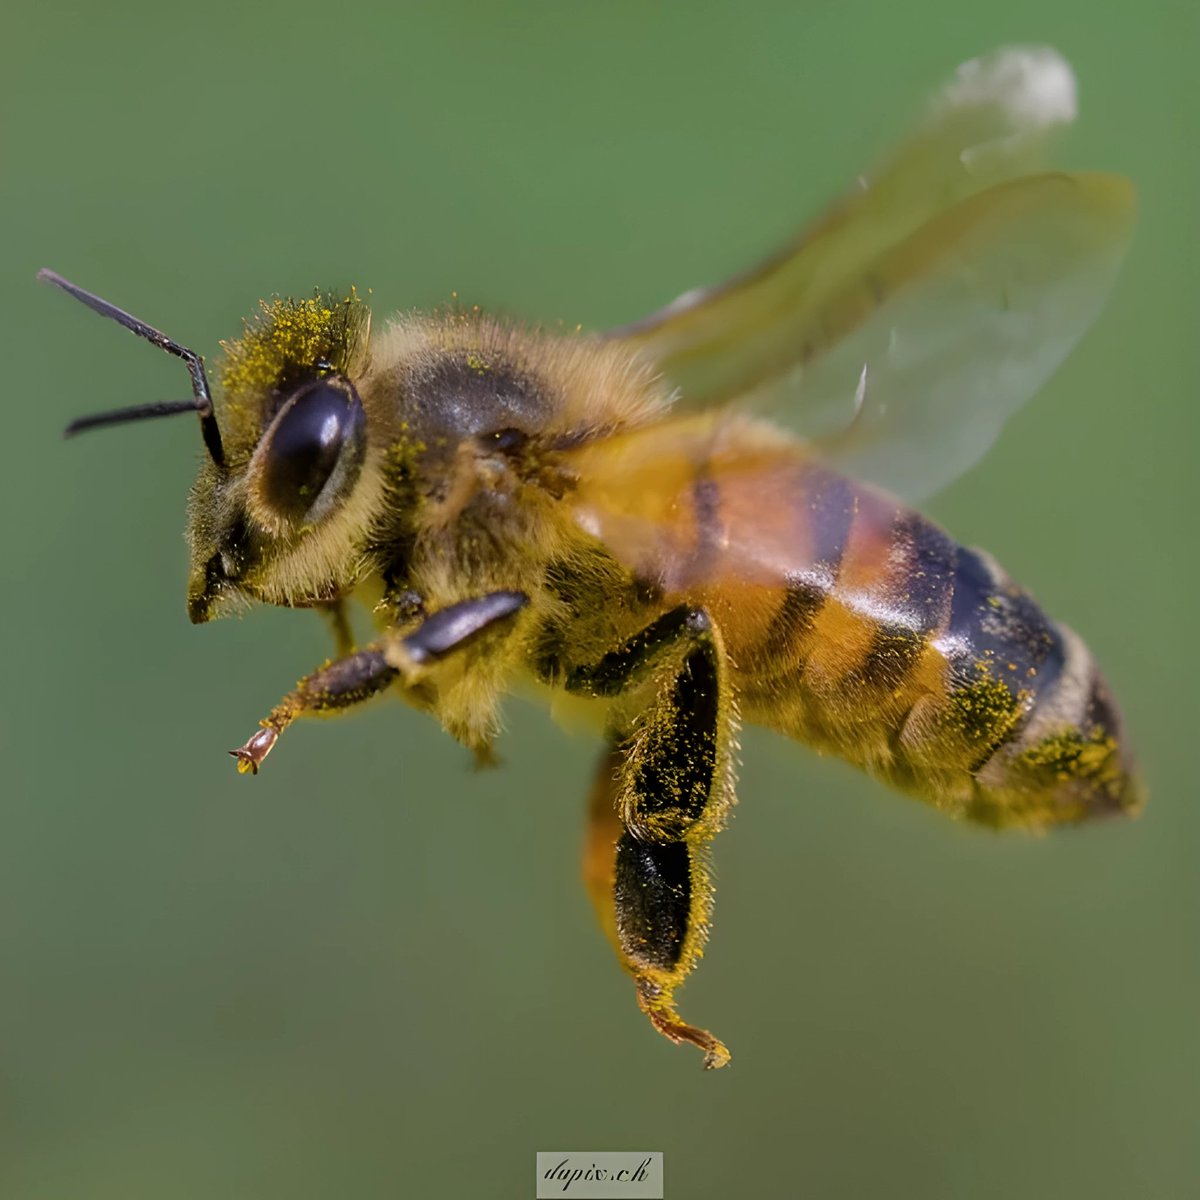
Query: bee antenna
x=137 y=412
x=201 y=401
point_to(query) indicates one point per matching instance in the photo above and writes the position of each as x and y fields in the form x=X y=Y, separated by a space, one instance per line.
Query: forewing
x=872 y=268
x=982 y=305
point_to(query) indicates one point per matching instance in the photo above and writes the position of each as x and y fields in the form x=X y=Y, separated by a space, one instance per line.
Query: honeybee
x=617 y=517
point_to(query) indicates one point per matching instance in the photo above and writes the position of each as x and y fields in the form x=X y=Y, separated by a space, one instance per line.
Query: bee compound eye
x=313 y=451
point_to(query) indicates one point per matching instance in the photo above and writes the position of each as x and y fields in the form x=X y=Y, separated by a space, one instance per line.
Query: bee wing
x=908 y=323
x=983 y=304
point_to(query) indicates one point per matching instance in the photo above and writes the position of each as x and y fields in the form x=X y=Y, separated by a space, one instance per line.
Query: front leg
x=663 y=790
x=360 y=676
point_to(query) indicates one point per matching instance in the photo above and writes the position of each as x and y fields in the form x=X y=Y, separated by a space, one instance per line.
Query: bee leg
x=622 y=668
x=662 y=791
x=452 y=629
x=358 y=677
x=334 y=612
x=337 y=685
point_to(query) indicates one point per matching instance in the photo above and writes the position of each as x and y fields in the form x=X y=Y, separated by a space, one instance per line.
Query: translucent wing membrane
x=984 y=302
x=907 y=324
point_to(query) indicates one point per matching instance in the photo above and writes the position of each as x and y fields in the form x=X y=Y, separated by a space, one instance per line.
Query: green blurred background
x=372 y=973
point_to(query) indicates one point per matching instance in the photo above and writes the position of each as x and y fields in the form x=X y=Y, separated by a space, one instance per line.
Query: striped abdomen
x=920 y=660
x=856 y=625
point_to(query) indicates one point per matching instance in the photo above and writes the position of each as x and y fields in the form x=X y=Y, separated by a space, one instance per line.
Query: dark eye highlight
x=313 y=451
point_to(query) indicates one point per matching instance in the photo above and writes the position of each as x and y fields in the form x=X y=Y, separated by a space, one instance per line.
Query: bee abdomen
x=920 y=659
x=1027 y=707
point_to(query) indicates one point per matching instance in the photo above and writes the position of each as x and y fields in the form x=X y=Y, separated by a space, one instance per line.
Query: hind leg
x=663 y=790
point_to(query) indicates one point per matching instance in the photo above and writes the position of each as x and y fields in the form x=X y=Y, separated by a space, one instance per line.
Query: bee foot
x=666 y=1020
x=250 y=756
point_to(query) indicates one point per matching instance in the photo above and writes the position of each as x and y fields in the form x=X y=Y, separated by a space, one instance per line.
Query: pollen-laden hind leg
x=663 y=790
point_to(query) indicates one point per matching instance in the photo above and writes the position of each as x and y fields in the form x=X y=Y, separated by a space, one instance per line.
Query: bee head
x=281 y=506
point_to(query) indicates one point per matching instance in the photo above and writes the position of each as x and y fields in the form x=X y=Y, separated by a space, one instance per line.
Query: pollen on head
x=289 y=335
